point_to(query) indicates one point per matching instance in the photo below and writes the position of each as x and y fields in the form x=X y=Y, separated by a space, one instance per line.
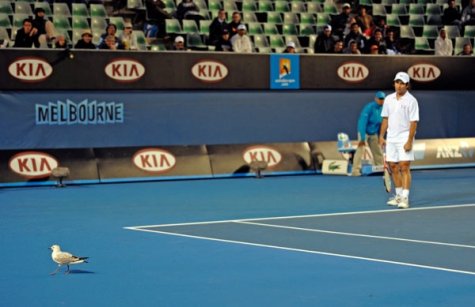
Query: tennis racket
x=386 y=174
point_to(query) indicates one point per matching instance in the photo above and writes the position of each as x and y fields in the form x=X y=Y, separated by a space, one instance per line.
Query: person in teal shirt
x=369 y=123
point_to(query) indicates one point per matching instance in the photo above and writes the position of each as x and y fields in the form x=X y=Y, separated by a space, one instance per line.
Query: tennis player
x=400 y=117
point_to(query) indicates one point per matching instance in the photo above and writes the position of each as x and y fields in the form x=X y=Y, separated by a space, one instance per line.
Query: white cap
x=291 y=44
x=241 y=27
x=329 y=27
x=404 y=77
x=179 y=39
x=346 y=5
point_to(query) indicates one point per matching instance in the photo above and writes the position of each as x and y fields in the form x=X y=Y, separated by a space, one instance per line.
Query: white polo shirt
x=400 y=114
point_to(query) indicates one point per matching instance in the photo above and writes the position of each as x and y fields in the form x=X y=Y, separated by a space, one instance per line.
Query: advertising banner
x=429 y=154
x=282 y=158
x=34 y=167
x=33 y=69
x=149 y=163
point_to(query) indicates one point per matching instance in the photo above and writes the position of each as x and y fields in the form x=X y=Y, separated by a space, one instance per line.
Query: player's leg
x=392 y=157
x=396 y=174
x=405 y=166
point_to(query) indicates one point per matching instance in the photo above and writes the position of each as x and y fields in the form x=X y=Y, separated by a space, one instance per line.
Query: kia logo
x=125 y=70
x=352 y=72
x=209 y=71
x=30 y=69
x=424 y=72
x=262 y=153
x=154 y=160
x=33 y=164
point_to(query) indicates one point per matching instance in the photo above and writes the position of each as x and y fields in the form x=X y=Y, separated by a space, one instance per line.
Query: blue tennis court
x=280 y=241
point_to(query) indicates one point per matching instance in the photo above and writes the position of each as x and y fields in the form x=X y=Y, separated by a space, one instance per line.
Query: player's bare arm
x=412 y=133
x=382 y=131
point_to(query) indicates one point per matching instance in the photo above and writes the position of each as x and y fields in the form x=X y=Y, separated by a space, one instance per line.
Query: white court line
x=310 y=215
x=357 y=235
x=306 y=251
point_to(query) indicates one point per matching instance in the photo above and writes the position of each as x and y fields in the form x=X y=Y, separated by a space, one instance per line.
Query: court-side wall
x=93 y=119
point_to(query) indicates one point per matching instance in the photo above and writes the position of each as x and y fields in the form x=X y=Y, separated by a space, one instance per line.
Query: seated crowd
x=352 y=31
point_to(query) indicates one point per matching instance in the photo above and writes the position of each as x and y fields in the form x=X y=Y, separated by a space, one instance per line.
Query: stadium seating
x=417 y=20
x=5 y=21
x=430 y=31
x=61 y=23
x=6 y=8
x=270 y=29
x=260 y=41
x=255 y=28
x=80 y=9
x=249 y=17
x=23 y=8
x=61 y=9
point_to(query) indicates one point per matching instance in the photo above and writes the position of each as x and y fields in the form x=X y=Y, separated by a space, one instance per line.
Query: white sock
x=398 y=191
x=405 y=193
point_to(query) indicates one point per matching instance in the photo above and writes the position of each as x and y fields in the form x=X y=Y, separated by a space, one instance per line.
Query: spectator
x=392 y=43
x=86 y=41
x=338 y=48
x=377 y=40
x=60 y=42
x=365 y=21
x=467 y=50
x=233 y=25
x=187 y=9
x=374 y=49
x=111 y=43
x=111 y=30
x=290 y=47
x=155 y=19
x=451 y=15
x=241 y=42
x=27 y=36
x=217 y=26
x=325 y=41
x=224 y=42
x=339 y=22
x=382 y=26
x=349 y=22
x=179 y=44
x=468 y=15
x=352 y=48
x=443 y=45
x=127 y=38
x=44 y=27
x=355 y=35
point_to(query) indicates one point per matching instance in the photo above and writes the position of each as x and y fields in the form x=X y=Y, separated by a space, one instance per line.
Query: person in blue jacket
x=369 y=123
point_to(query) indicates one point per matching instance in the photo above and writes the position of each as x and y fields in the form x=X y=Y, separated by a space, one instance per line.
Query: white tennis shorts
x=395 y=152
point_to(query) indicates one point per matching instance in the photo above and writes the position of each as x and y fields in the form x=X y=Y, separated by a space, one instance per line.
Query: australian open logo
x=84 y=113
x=285 y=71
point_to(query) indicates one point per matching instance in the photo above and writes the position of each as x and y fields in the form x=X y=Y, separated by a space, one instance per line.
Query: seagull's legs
x=67 y=271
x=56 y=271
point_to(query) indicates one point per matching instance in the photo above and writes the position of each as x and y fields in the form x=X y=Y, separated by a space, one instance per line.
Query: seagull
x=64 y=258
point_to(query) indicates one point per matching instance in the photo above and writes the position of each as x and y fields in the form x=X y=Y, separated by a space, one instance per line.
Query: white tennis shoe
x=404 y=203
x=394 y=201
